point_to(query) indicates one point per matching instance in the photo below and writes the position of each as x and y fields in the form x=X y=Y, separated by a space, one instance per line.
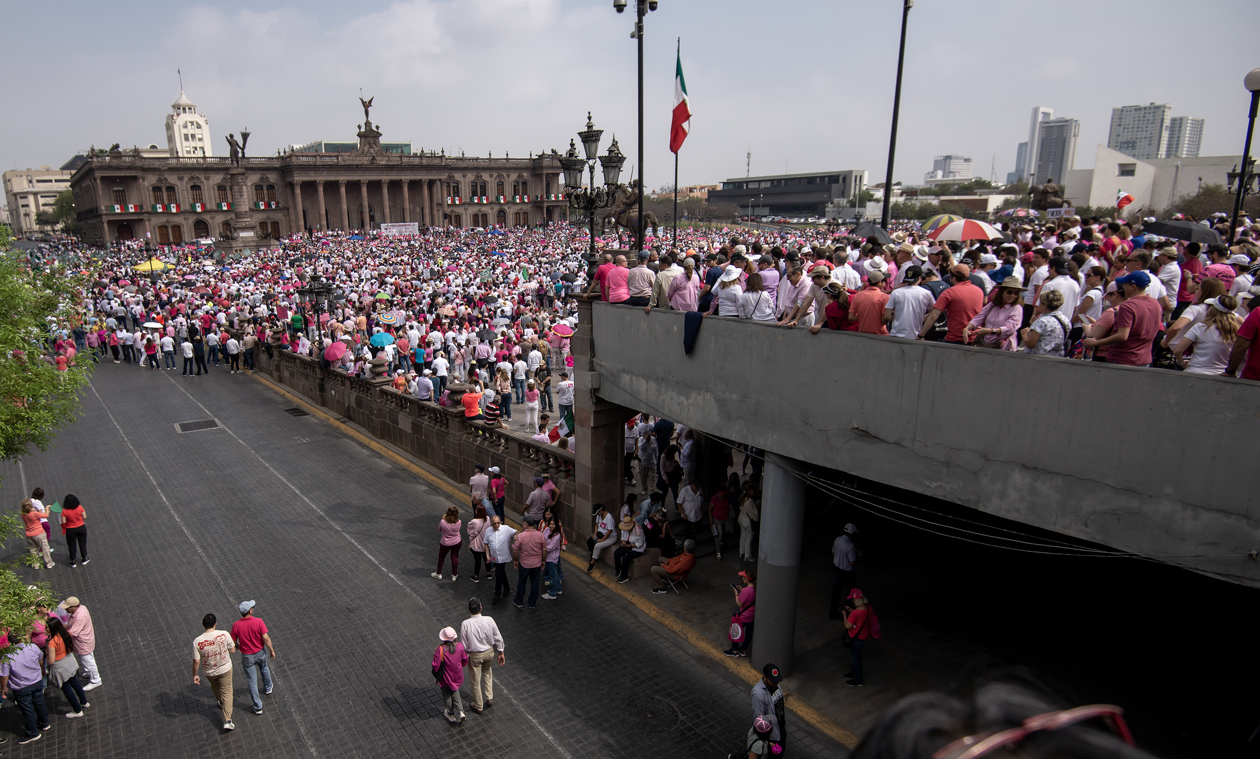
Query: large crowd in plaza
x=481 y=319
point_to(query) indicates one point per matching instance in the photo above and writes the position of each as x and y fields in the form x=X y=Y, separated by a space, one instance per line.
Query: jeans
x=846 y=580
x=249 y=359
x=168 y=359
x=75 y=696
x=213 y=354
x=518 y=390
x=553 y=578
x=188 y=366
x=259 y=660
x=34 y=712
x=565 y=409
x=545 y=398
x=439 y=386
x=533 y=576
x=623 y=557
x=501 y=585
x=505 y=403
x=856 y=654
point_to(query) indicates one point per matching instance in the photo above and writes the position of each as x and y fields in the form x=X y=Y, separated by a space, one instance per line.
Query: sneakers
x=454 y=578
x=462 y=717
x=549 y=597
x=85 y=704
x=258 y=710
x=435 y=575
x=518 y=605
x=590 y=567
x=73 y=565
x=85 y=561
x=621 y=580
x=91 y=685
x=74 y=715
x=659 y=591
x=743 y=652
x=229 y=725
x=476 y=578
x=731 y=652
x=50 y=565
x=265 y=693
x=719 y=555
x=34 y=737
x=853 y=683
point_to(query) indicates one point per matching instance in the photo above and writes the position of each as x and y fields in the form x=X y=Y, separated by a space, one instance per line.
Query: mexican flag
x=198 y=207
x=562 y=429
x=260 y=205
x=502 y=198
x=516 y=198
x=159 y=207
x=1123 y=198
x=681 y=124
x=113 y=209
x=223 y=206
x=172 y=207
x=131 y=208
x=526 y=198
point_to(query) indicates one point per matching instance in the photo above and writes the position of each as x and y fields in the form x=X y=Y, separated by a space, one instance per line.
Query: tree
x=866 y=196
x=63 y=208
x=45 y=218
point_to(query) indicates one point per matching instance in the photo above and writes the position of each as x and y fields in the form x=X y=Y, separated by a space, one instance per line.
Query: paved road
x=336 y=545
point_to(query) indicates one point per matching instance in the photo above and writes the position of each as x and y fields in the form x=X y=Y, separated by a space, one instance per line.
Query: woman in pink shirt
x=449 y=541
x=684 y=289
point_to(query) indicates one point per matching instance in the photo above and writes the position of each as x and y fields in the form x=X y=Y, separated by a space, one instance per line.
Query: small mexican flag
x=502 y=198
x=223 y=206
x=458 y=200
x=516 y=198
x=526 y=198
x=172 y=207
x=198 y=207
x=562 y=429
x=113 y=209
x=485 y=199
x=158 y=207
x=1123 y=198
x=260 y=205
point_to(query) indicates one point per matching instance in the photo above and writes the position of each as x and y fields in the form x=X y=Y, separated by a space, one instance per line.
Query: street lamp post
x=593 y=198
x=641 y=9
x=1252 y=83
x=316 y=294
x=892 y=140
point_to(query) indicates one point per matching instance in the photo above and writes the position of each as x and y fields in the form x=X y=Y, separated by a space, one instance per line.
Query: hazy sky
x=804 y=85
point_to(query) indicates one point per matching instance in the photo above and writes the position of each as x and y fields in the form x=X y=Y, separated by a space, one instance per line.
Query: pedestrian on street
x=484 y=644
x=79 y=623
x=844 y=559
x=498 y=490
x=22 y=676
x=476 y=536
x=553 y=577
x=537 y=501
x=73 y=516
x=37 y=501
x=758 y=744
x=767 y=702
x=213 y=649
x=186 y=349
x=449 y=661
x=860 y=625
x=250 y=634
x=498 y=541
x=61 y=664
x=35 y=537
x=449 y=541
x=745 y=612
x=199 y=355
x=528 y=551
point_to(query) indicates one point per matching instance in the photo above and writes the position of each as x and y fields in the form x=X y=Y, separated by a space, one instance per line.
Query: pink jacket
x=79 y=624
x=452 y=664
x=450 y=532
x=476 y=530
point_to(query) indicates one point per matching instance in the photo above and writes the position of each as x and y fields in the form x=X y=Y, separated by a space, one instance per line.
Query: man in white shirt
x=422 y=386
x=535 y=359
x=213 y=650
x=484 y=644
x=441 y=368
x=518 y=380
x=1169 y=270
x=1059 y=279
x=908 y=304
x=186 y=348
x=212 y=347
x=1040 y=272
x=498 y=540
x=844 y=273
x=233 y=349
x=691 y=506
x=564 y=394
x=168 y=352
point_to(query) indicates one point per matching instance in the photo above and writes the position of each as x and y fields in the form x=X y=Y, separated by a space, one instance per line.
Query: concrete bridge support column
x=778 y=565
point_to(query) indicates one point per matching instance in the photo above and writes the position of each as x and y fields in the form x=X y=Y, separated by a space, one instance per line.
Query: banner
x=1059 y=213
x=400 y=228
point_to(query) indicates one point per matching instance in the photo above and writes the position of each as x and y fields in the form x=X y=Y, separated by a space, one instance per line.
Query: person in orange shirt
x=675 y=568
x=866 y=307
x=35 y=536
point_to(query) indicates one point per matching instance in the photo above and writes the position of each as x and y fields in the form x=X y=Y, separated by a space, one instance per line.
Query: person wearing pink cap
x=860 y=625
x=449 y=661
x=758 y=744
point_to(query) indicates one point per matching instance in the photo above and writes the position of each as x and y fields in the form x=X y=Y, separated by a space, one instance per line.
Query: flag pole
x=676 y=176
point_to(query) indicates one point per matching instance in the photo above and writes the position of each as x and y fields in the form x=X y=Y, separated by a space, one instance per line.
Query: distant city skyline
x=518 y=76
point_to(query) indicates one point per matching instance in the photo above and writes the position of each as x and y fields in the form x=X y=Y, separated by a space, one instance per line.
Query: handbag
x=847 y=640
x=737 y=629
x=437 y=671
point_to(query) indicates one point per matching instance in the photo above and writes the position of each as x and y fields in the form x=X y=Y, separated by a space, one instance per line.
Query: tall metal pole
x=591 y=213
x=675 y=246
x=641 y=7
x=892 y=140
x=1245 y=178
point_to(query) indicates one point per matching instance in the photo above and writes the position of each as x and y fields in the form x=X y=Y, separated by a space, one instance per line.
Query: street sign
x=1058 y=213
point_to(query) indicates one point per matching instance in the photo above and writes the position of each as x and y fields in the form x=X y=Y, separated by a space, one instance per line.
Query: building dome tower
x=187 y=131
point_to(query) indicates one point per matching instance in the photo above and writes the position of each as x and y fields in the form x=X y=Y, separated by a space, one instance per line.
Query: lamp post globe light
x=642 y=7
x=1252 y=83
x=591 y=199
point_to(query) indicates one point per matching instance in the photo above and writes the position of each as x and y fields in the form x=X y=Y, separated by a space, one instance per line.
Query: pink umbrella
x=563 y=330
x=335 y=351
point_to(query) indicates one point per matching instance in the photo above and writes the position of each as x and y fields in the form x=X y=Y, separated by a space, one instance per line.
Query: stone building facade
x=169 y=200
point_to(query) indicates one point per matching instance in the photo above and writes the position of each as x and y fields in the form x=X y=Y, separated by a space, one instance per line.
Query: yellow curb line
x=812 y=716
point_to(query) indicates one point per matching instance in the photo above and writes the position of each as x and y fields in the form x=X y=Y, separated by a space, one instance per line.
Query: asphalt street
x=336 y=545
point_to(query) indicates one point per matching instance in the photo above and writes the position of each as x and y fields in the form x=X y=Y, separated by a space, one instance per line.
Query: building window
x=258 y=194
x=164 y=235
x=170 y=196
x=157 y=196
x=500 y=218
x=547 y=187
x=225 y=229
x=271 y=193
x=275 y=230
x=195 y=191
x=201 y=229
x=221 y=194
x=524 y=188
x=498 y=188
x=454 y=192
x=177 y=234
x=1126 y=169
x=516 y=188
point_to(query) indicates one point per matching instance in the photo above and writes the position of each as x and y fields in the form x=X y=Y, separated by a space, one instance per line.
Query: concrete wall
x=1154 y=462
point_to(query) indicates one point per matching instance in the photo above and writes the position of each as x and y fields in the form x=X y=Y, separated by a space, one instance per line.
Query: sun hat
x=1239 y=259
x=626 y=523
x=447 y=634
x=1012 y=283
x=875 y=277
x=730 y=274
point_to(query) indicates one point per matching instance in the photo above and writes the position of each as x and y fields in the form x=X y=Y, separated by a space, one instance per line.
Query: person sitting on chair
x=674 y=569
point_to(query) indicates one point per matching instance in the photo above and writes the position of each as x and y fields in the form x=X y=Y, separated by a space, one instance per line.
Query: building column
x=778 y=565
x=425 y=216
x=385 y=199
x=442 y=196
x=319 y=192
x=298 y=226
x=406 y=201
x=367 y=217
x=345 y=210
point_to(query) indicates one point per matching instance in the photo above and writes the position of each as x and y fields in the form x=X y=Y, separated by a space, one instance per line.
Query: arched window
x=454 y=191
x=120 y=199
x=500 y=218
x=221 y=194
x=158 y=196
x=170 y=195
x=271 y=193
x=498 y=188
x=201 y=229
x=275 y=230
x=258 y=194
x=516 y=188
x=125 y=232
x=524 y=188
x=225 y=229
x=195 y=191
x=457 y=221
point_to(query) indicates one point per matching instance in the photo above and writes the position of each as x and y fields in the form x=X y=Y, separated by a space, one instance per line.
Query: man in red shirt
x=1138 y=319
x=250 y=634
x=601 y=278
x=866 y=307
x=1248 y=334
x=529 y=549
x=960 y=304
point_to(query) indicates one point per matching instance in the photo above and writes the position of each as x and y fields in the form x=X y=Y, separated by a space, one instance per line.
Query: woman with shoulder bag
x=449 y=661
x=742 y=621
x=860 y=625
x=63 y=666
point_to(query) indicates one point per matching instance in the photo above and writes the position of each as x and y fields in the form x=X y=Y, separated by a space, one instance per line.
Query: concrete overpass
x=1155 y=463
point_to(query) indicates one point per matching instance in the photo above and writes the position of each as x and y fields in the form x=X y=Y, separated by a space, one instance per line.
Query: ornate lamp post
x=316 y=294
x=591 y=199
x=1252 y=83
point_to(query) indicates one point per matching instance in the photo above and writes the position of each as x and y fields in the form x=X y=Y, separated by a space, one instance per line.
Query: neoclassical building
x=123 y=195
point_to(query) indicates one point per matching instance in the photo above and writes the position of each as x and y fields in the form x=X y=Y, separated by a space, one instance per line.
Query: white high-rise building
x=1029 y=167
x=187 y=131
x=950 y=167
x=1140 y=131
x=1185 y=136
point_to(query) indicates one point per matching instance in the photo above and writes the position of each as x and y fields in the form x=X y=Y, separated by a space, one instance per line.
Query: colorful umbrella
x=335 y=351
x=940 y=220
x=390 y=319
x=381 y=339
x=967 y=229
x=563 y=330
x=382 y=296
